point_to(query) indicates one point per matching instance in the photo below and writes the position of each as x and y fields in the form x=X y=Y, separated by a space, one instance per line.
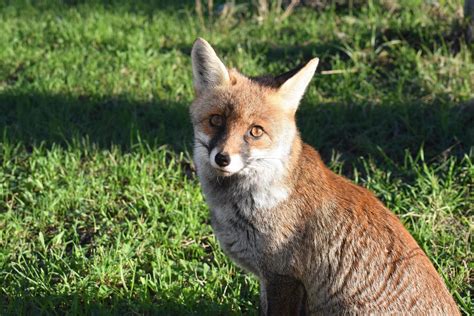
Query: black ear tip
x=281 y=79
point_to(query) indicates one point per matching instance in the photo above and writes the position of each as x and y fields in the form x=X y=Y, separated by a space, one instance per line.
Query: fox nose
x=222 y=159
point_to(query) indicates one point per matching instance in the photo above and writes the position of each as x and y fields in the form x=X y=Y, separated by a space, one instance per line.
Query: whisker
x=264 y=157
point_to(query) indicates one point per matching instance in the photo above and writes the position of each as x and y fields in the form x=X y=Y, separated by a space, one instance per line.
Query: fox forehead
x=246 y=100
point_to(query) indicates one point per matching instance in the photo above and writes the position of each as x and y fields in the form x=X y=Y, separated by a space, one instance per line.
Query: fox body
x=318 y=243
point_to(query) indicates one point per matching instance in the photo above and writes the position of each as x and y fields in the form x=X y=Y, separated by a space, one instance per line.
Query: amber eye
x=216 y=120
x=256 y=131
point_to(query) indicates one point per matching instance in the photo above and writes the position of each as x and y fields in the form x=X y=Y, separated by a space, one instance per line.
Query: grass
x=100 y=210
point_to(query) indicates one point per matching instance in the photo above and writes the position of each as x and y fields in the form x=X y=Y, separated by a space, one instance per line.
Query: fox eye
x=216 y=120
x=256 y=131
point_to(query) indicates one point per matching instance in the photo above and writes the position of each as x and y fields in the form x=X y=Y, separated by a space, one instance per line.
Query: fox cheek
x=201 y=137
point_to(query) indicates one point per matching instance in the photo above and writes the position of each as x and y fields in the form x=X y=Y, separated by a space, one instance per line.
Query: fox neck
x=255 y=188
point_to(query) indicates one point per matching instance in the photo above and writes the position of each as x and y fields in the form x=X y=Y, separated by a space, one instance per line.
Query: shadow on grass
x=350 y=129
x=35 y=118
x=359 y=130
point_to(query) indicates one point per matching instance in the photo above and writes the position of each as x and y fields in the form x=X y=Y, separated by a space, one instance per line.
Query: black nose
x=222 y=159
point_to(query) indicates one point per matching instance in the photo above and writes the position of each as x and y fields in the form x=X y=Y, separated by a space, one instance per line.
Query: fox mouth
x=223 y=172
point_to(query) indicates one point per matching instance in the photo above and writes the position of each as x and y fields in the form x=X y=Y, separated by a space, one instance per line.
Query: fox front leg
x=282 y=295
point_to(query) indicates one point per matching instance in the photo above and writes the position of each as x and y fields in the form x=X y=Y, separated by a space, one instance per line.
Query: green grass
x=100 y=209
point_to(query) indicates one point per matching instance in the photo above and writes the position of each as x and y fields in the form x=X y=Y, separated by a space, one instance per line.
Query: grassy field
x=100 y=209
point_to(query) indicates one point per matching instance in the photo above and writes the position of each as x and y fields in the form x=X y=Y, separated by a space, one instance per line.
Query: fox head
x=243 y=125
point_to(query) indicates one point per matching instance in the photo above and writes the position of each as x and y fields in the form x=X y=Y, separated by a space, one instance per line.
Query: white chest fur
x=241 y=218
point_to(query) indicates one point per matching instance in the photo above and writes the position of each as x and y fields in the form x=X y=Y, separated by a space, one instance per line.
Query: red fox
x=318 y=243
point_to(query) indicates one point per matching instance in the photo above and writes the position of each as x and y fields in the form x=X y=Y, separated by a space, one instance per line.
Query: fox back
x=317 y=243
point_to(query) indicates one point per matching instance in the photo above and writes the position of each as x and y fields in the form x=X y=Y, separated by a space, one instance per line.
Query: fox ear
x=208 y=70
x=292 y=90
